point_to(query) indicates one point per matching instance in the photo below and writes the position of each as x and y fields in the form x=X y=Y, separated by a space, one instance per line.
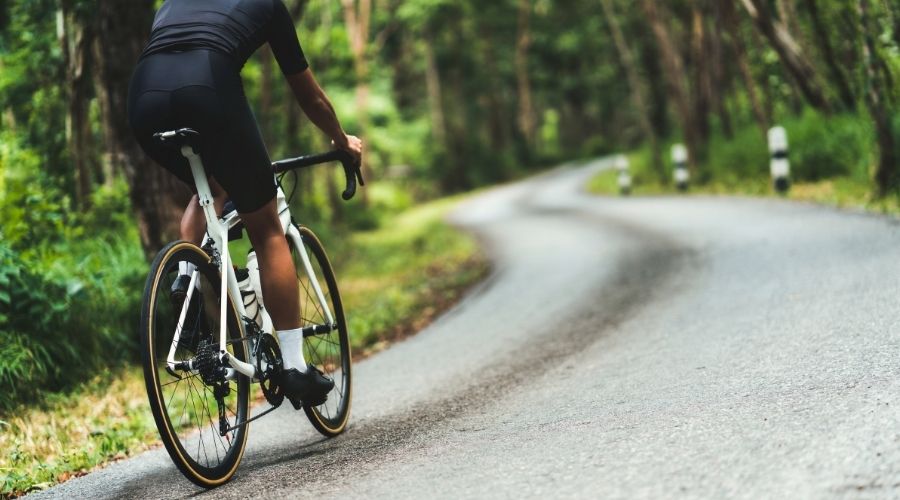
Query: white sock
x=291 y=343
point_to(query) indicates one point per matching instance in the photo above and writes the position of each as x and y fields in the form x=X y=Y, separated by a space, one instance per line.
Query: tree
x=527 y=122
x=634 y=80
x=739 y=50
x=789 y=51
x=675 y=78
x=76 y=38
x=157 y=197
x=357 y=18
x=835 y=68
x=877 y=103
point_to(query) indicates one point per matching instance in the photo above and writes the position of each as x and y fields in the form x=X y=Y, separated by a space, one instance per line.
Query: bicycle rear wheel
x=191 y=405
x=328 y=351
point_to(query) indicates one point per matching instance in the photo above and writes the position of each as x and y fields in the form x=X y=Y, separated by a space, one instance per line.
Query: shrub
x=34 y=314
x=823 y=147
x=60 y=323
x=744 y=156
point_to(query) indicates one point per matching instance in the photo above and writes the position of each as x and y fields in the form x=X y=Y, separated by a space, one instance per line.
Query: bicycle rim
x=329 y=352
x=184 y=405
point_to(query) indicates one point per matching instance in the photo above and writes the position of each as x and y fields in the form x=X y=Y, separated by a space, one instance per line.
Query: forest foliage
x=448 y=95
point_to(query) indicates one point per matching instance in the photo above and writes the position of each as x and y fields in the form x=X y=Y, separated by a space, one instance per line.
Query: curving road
x=652 y=347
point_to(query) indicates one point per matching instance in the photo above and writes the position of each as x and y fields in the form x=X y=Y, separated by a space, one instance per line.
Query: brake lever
x=359 y=176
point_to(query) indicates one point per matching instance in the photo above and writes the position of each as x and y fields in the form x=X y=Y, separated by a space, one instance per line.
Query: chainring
x=268 y=369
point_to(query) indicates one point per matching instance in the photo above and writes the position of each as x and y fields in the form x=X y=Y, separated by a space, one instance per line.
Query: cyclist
x=189 y=76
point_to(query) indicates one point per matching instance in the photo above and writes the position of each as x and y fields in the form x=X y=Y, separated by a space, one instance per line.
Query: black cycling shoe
x=310 y=388
x=191 y=330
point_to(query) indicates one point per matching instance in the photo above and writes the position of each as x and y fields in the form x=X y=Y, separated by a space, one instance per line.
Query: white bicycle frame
x=217 y=232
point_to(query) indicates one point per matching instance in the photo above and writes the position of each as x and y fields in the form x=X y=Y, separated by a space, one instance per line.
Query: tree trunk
x=673 y=66
x=435 y=96
x=886 y=175
x=637 y=87
x=503 y=122
x=739 y=50
x=720 y=85
x=823 y=40
x=157 y=197
x=787 y=13
x=357 y=17
x=792 y=57
x=702 y=84
x=76 y=39
x=657 y=93
x=527 y=123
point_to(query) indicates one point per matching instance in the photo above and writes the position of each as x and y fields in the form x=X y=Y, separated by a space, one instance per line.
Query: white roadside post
x=780 y=166
x=624 y=175
x=680 y=158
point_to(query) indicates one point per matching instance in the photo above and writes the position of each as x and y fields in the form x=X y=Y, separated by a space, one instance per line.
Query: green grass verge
x=832 y=160
x=842 y=192
x=394 y=281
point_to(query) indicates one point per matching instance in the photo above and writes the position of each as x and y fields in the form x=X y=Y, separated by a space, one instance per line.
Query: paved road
x=653 y=347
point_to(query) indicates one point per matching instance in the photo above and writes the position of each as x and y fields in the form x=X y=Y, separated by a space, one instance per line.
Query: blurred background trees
x=455 y=94
x=448 y=95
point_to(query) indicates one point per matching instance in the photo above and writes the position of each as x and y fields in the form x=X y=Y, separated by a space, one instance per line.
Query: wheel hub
x=208 y=364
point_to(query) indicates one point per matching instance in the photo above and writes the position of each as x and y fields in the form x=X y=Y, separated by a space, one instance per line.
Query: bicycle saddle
x=180 y=138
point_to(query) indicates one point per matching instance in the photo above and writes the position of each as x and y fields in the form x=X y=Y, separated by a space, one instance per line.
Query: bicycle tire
x=158 y=319
x=329 y=352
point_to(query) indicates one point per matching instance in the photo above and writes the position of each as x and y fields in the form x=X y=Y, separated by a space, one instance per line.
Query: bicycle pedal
x=298 y=405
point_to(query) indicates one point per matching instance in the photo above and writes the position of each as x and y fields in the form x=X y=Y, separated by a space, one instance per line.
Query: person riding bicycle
x=188 y=76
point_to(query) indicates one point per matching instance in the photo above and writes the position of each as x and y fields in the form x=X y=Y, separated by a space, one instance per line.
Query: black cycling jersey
x=232 y=27
x=189 y=76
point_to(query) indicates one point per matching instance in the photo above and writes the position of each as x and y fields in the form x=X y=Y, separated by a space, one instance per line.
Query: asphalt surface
x=646 y=347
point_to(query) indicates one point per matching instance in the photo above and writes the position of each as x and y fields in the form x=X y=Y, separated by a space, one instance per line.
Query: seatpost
x=203 y=190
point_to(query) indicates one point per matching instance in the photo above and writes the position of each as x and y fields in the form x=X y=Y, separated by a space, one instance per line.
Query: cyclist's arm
x=319 y=109
x=285 y=45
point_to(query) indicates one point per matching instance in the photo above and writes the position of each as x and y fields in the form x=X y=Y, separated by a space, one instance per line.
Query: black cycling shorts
x=202 y=90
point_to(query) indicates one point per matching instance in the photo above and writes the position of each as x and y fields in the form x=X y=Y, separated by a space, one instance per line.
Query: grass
x=105 y=419
x=831 y=158
x=394 y=281
x=842 y=192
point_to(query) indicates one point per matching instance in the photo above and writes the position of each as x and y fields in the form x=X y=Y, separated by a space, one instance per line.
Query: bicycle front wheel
x=192 y=396
x=329 y=348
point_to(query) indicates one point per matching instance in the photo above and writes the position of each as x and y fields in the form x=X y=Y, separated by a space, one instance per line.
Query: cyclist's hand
x=352 y=145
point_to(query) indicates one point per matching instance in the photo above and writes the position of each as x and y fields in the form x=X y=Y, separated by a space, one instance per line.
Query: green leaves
x=60 y=321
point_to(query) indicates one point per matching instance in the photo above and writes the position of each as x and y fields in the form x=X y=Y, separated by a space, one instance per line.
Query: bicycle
x=201 y=358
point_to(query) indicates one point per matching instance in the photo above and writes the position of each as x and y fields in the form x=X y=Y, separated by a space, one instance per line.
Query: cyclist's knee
x=263 y=224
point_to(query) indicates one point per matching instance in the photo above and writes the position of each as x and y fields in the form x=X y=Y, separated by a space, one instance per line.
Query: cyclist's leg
x=240 y=163
x=277 y=272
x=238 y=159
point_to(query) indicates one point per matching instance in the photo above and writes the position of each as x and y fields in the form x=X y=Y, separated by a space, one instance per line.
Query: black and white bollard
x=780 y=166
x=680 y=159
x=624 y=175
